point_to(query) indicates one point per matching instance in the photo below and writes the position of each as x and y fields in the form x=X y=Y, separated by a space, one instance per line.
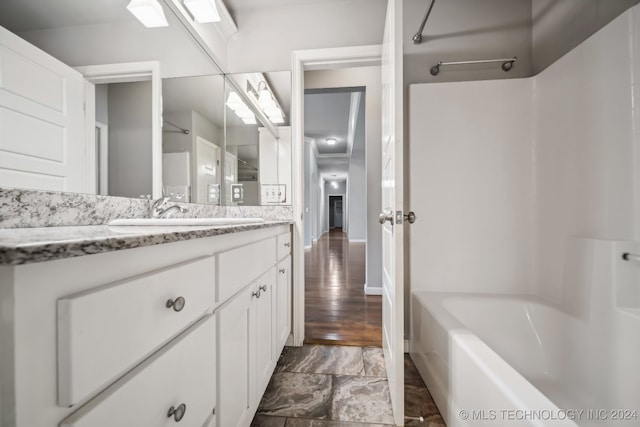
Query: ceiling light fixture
x=149 y=12
x=240 y=108
x=334 y=184
x=267 y=102
x=203 y=11
x=330 y=141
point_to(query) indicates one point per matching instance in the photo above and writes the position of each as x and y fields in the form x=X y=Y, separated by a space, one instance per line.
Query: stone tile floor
x=334 y=386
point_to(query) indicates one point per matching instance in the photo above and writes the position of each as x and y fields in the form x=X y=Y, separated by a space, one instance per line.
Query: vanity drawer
x=284 y=245
x=182 y=372
x=103 y=332
x=240 y=266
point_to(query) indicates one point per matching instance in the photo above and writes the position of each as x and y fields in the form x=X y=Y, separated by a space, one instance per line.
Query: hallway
x=336 y=309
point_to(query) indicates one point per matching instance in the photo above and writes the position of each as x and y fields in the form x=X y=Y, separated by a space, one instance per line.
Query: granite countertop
x=27 y=245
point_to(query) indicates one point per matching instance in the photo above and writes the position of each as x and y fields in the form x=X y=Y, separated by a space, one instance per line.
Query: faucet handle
x=158 y=206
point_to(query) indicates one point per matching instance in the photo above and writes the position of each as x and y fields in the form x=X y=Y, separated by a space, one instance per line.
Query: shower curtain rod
x=185 y=131
x=507 y=64
x=417 y=38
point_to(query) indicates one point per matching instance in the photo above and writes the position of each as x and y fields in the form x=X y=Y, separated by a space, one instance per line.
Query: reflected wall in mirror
x=258 y=139
x=193 y=138
x=49 y=140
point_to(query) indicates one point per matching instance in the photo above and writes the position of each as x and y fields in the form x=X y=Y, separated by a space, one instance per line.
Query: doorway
x=338 y=308
x=335 y=212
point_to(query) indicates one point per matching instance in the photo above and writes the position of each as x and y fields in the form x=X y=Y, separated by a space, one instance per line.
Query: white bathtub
x=518 y=361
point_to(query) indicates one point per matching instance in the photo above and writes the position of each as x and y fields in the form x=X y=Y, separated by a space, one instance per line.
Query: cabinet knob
x=282 y=270
x=256 y=294
x=177 y=413
x=177 y=304
x=263 y=288
x=287 y=245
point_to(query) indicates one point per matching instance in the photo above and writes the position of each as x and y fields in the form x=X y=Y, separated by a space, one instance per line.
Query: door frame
x=102 y=186
x=124 y=73
x=342 y=198
x=308 y=60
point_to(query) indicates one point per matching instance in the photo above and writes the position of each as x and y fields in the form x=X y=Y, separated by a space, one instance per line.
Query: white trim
x=308 y=247
x=372 y=290
x=132 y=72
x=90 y=139
x=357 y=240
x=316 y=59
x=102 y=186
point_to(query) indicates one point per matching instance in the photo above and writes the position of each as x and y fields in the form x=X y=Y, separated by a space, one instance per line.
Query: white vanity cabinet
x=143 y=337
x=253 y=325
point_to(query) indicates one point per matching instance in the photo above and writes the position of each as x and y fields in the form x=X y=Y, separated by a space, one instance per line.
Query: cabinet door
x=283 y=304
x=181 y=376
x=236 y=360
x=265 y=331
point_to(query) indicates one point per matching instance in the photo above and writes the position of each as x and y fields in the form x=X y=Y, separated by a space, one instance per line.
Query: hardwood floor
x=336 y=309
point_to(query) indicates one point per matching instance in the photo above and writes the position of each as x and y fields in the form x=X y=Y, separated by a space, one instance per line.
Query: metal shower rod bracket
x=507 y=64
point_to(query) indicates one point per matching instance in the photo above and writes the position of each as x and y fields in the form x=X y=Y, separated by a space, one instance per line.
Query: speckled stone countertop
x=28 y=245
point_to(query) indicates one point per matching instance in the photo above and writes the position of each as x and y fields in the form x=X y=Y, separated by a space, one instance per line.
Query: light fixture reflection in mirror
x=258 y=159
x=81 y=33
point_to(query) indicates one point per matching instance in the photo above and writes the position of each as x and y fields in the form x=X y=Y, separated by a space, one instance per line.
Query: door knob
x=383 y=217
x=410 y=217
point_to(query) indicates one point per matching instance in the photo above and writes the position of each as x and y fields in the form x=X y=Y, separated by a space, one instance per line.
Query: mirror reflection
x=193 y=138
x=258 y=139
x=147 y=111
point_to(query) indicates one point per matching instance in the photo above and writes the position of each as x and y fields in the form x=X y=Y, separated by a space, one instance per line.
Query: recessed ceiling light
x=149 y=12
x=331 y=141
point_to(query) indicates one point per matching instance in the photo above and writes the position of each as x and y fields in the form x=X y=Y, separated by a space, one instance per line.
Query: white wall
x=130 y=139
x=587 y=147
x=269 y=33
x=560 y=26
x=505 y=173
x=357 y=182
x=102 y=104
x=308 y=213
x=370 y=78
x=129 y=41
x=471 y=186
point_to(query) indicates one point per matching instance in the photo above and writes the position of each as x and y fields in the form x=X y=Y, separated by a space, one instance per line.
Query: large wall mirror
x=227 y=141
x=198 y=147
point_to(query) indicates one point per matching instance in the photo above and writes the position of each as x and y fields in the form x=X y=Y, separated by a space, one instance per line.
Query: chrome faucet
x=159 y=209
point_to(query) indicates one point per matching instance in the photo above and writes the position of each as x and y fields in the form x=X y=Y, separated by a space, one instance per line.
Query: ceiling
x=31 y=15
x=326 y=115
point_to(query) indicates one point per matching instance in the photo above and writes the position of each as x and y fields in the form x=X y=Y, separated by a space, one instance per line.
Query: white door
x=207 y=169
x=42 y=128
x=392 y=233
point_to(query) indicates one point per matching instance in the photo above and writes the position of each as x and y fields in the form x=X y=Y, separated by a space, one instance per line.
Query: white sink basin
x=186 y=221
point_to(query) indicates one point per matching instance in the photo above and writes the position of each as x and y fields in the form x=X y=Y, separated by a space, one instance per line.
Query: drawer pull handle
x=282 y=270
x=287 y=245
x=177 y=304
x=256 y=294
x=263 y=288
x=177 y=413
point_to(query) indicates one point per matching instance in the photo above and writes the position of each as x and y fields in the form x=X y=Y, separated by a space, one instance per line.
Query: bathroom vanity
x=141 y=326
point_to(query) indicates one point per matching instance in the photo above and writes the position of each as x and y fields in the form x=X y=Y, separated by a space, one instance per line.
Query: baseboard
x=357 y=240
x=307 y=247
x=372 y=290
x=406 y=346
